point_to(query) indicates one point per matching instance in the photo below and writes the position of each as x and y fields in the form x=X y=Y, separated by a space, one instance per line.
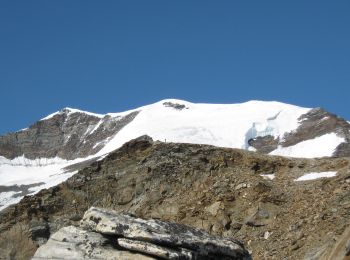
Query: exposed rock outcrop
x=264 y=144
x=75 y=243
x=174 y=105
x=68 y=135
x=341 y=250
x=104 y=232
x=319 y=122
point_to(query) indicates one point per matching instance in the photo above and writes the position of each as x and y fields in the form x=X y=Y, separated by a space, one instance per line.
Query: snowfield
x=228 y=125
x=40 y=174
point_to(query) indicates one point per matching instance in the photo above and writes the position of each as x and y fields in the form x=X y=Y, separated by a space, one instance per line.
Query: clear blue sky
x=109 y=56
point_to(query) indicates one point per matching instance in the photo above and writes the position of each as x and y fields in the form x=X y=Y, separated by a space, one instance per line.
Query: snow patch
x=23 y=171
x=7 y=198
x=324 y=145
x=96 y=127
x=268 y=176
x=16 y=174
x=316 y=175
x=98 y=143
x=38 y=162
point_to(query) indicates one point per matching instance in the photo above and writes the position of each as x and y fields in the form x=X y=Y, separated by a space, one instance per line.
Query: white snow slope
x=44 y=173
x=219 y=125
x=226 y=125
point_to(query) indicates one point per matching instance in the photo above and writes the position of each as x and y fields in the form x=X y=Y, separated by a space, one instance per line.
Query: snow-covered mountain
x=39 y=156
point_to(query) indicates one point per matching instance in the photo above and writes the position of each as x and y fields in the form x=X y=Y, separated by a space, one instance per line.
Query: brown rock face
x=66 y=135
x=319 y=122
x=222 y=191
x=264 y=144
x=343 y=150
x=341 y=250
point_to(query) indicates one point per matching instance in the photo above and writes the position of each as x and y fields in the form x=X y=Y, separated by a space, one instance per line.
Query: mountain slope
x=38 y=157
x=278 y=207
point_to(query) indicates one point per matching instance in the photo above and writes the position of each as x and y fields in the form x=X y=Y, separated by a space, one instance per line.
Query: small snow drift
x=316 y=175
x=268 y=176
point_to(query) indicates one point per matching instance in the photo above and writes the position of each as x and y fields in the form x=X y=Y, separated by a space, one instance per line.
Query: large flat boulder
x=106 y=234
x=162 y=233
x=75 y=243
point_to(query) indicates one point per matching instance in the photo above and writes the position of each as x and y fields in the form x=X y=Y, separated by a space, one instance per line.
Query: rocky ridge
x=67 y=135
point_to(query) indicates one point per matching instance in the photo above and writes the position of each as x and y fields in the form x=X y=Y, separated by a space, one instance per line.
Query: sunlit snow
x=316 y=175
x=321 y=146
x=268 y=176
x=227 y=125
x=22 y=171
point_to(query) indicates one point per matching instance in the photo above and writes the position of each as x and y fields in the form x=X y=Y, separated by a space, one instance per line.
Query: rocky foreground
x=231 y=193
x=106 y=234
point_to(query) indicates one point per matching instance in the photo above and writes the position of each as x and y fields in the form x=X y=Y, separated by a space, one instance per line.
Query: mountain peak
x=69 y=111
